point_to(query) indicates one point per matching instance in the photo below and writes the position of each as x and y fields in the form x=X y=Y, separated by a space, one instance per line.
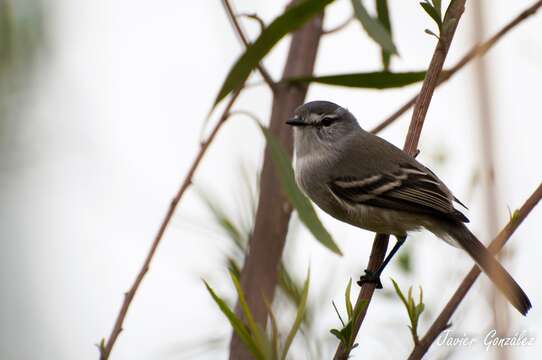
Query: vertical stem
x=259 y=274
x=486 y=139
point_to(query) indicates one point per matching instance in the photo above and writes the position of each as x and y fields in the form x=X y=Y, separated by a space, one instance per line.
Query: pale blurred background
x=101 y=111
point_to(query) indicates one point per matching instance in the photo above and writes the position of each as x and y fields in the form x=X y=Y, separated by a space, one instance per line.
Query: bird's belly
x=376 y=219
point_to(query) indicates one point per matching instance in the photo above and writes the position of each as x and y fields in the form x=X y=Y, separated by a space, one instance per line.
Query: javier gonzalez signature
x=490 y=340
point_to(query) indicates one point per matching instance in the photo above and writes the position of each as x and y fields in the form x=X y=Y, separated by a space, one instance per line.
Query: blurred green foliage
x=258 y=342
x=22 y=38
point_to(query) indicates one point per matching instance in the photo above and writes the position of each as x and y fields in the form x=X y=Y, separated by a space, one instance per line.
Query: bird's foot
x=370 y=277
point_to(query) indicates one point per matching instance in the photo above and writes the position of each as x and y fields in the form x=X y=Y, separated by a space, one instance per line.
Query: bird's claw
x=370 y=277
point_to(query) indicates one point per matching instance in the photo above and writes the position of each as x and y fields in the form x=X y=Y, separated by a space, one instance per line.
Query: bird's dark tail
x=491 y=267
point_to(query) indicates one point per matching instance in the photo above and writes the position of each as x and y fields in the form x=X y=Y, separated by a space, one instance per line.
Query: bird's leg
x=374 y=277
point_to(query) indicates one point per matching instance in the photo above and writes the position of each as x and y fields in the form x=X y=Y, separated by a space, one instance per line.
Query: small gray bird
x=367 y=182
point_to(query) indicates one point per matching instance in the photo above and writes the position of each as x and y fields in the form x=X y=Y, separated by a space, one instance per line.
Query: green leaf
x=427 y=31
x=298 y=318
x=373 y=27
x=274 y=331
x=383 y=15
x=431 y=11
x=347 y=300
x=419 y=309
x=253 y=327
x=293 y=18
x=237 y=324
x=306 y=212
x=368 y=80
x=224 y=221
x=339 y=335
x=337 y=312
x=437 y=4
x=399 y=293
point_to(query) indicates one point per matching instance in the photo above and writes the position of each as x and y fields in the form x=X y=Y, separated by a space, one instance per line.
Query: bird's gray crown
x=318 y=107
x=317 y=113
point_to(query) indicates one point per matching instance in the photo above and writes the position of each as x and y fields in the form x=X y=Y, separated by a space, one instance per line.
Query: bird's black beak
x=295 y=121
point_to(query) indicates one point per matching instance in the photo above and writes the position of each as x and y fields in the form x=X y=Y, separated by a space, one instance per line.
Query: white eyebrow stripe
x=314 y=118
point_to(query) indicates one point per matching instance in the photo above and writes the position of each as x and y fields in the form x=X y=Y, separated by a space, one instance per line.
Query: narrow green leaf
x=339 y=335
x=337 y=312
x=410 y=301
x=298 y=318
x=430 y=10
x=373 y=27
x=304 y=208
x=236 y=323
x=419 y=309
x=274 y=331
x=287 y=284
x=347 y=332
x=427 y=31
x=383 y=15
x=358 y=309
x=253 y=327
x=293 y=18
x=226 y=223
x=348 y=301
x=437 y=4
x=399 y=293
x=233 y=267
x=368 y=80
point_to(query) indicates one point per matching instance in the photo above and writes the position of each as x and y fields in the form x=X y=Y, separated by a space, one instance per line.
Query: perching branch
x=441 y=322
x=239 y=31
x=380 y=244
x=474 y=52
x=106 y=347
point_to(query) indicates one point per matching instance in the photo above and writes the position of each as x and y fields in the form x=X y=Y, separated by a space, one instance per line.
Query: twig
x=239 y=31
x=105 y=350
x=339 y=27
x=380 y=244
x=474 y=52
x=441 y=322
x=255 y=17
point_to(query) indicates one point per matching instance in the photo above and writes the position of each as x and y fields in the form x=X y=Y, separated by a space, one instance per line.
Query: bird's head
x=321 y=122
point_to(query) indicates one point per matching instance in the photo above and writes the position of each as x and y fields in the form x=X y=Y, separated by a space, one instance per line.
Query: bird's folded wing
x=407 y=189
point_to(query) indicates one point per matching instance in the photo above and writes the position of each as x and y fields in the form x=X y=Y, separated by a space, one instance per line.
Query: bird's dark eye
x=326 y=121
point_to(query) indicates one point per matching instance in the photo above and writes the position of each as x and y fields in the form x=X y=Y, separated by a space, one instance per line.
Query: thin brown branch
x=441 y=322
x=339 y=27
x=259 y=274
x=380 y=244
x=105 y=350
x=241 y=34
x=254 y=17
x=474 y=52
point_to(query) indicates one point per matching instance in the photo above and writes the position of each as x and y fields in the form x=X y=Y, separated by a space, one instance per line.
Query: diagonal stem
x=107 y=347
x=240 y=32
x=380 y=244
x=476 y=51
x=441 y=322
